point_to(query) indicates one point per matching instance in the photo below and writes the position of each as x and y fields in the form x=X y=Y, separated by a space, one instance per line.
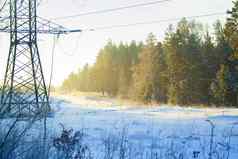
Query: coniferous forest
x=191 y=66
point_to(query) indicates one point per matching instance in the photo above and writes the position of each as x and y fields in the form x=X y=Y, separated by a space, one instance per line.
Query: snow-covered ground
x=174 y=130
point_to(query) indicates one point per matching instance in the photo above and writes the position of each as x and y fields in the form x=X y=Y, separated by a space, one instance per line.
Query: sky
x=75 y=50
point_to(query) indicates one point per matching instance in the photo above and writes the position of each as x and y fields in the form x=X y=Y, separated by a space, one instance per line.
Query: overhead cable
x=112 y=9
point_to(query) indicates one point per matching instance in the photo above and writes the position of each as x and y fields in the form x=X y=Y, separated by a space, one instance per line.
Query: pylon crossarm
x=44 y=27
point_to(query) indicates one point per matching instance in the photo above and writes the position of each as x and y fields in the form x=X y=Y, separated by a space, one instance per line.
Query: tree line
x=190 y=66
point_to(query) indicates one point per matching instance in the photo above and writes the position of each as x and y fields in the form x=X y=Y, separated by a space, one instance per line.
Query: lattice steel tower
x=24 y=90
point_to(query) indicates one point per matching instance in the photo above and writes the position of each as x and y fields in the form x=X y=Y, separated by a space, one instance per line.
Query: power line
x=67 y=31
x=147 y=22
x=75 y=49
x=155 y=22
x=55 y=39
x=3 y=6
x=112 y=9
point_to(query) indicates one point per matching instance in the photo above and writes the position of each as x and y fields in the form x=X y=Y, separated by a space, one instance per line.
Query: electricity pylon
x=24 y=91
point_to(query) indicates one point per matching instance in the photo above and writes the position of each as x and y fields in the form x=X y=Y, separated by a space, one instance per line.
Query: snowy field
x=158 y=132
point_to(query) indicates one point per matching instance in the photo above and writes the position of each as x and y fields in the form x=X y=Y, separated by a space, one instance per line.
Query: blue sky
x=73 y=51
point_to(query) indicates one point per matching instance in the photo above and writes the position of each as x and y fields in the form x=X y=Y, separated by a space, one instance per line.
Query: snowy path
x=99 y=118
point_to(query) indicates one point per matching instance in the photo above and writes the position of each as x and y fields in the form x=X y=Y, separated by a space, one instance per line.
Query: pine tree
x=219 y=87
x=83 y=78
x=209 y=67
x=160 y=78
x=148 y=76
x=226 y=84
x=99 y=74
x=123 y=67
x=142 y=72
x=71 y=83
x=184 y=60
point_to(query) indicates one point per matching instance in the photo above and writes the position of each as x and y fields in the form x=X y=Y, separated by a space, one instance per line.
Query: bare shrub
x=70 y=145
